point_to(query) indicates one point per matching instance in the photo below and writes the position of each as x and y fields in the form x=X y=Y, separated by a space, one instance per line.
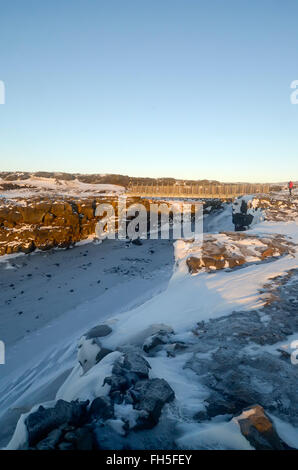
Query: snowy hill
x=41 y=186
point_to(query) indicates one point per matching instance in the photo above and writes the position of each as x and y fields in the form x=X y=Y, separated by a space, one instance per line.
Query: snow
x=215 y=436
x=90 y=385
x=190 y=299
x=79 y=275
x=87 y=352
x=48 y=186
x=127 y=413
x=214 y=223
x=117 y=425
x=38 y=361
x=190 y=394
x=20 y=436
x=245 y=414
x=135 y=308
x=286 y=431
x=252 y=209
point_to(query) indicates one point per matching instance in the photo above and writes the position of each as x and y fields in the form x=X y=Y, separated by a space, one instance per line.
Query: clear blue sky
x=182 y=88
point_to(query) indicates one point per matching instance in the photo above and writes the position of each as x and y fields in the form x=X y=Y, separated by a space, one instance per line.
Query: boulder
x=41 y=422
x=174 y=348
x=51 y=441
x=194 y=264
x=98 y=331
x=66 y=446
x=137 y=242
x=151 y=396
x=231 y=250
x=80 y=439
x=155 y=340
x=259 y=430
x=125 y=374
x=136 y=364
x=84 y=439
x=117 y=383
x=27 y=247
x=156 y=328
x=102 y=408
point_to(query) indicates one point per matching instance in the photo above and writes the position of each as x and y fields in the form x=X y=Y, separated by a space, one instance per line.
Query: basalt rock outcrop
x=44 y=224
x=47 y=223
x=278 y=208
x=229 y=250
x=257 y=427
x=247 y=211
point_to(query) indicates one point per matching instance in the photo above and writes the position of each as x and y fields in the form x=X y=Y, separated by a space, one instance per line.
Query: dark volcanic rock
x=51 y=441
x=44 y=420
x=98 y=331
x=66 y=446
x=239 y=372
x=102 y=407
x=137 y=242
x=84 y=439
x=155 y=340
x=135 y=363
x=102 y=353
x=117 y=383
x=151 y=396
x=80 y=439
x=243 y=214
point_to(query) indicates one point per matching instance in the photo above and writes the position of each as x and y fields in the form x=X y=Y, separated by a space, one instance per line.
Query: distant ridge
x=99 y=178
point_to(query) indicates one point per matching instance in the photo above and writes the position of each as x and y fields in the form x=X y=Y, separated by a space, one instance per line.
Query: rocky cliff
x=46 y=223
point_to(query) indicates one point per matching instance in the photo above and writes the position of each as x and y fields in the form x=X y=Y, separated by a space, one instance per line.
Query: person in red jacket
x=291 y=186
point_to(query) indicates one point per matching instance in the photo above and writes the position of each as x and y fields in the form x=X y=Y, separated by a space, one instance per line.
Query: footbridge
x=196 y=191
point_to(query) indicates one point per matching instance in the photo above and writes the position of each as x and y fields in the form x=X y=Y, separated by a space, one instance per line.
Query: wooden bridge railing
x=198 y=191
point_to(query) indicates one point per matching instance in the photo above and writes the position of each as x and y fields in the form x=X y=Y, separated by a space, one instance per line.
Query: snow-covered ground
x=40 y=186
x=60 y=294
x=137 y=288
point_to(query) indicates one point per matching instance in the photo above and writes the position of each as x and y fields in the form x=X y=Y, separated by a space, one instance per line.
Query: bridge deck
x=227 y=191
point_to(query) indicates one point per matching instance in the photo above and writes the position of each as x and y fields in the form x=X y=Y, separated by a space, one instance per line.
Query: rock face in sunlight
x=258 y=429
x=47 y=223
x=44 y=224
x=231 y=250
x=250 y=210
x=278 y=208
